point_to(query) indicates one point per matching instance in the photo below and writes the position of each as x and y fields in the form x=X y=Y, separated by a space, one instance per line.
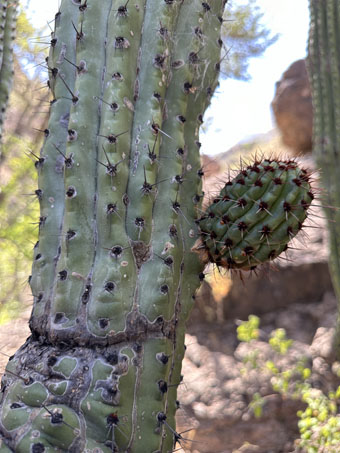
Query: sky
x=240 y=109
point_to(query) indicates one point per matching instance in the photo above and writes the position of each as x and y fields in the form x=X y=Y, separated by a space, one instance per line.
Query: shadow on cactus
x=255 y=215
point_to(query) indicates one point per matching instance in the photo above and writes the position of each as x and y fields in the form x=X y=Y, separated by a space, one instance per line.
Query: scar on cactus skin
x=255 y=215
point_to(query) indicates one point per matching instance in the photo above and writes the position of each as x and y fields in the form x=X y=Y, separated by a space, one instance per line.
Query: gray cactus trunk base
x=114 y=276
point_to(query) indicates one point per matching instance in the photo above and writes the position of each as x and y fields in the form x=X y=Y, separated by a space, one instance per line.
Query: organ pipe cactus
x=8 y=10
x=323 y=62
x=115 y=270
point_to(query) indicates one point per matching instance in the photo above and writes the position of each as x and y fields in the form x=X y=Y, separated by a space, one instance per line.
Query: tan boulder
x=292 y=108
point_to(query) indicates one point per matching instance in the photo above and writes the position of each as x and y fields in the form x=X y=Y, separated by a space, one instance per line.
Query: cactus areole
x=115 y=270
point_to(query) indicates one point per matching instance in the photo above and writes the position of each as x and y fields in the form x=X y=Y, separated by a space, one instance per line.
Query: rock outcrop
x=292 y=108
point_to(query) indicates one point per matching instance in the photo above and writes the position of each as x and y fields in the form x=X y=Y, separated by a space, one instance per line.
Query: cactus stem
x=104 y=303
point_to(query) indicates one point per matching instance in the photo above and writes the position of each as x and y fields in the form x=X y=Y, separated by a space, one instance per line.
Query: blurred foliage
x=19 y=210
x=279 y=342
x=256 y=405
x=249 y=330
x=319 y=422
x=244 y=36
x=31 y=44
x=18 y=233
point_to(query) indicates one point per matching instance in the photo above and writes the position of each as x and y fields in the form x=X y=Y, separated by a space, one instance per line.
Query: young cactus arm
x=323 y=62
x=8 y=12
x=256 y=215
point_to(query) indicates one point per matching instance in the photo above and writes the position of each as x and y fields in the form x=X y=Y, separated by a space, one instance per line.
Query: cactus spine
x=324 y=59
x=8 y=10
x=113 y=276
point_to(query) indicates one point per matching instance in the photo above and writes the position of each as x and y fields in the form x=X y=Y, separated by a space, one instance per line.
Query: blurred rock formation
x=292 y=108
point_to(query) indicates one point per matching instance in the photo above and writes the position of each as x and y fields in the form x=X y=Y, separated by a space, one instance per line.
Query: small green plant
x=249 y=330
x=279 y=342
x=256 y=405
x=319 y=422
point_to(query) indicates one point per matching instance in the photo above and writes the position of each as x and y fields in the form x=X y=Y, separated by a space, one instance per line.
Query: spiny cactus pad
x=255 y=215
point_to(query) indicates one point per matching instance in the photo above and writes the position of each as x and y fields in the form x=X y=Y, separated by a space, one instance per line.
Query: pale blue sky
x=240 y=109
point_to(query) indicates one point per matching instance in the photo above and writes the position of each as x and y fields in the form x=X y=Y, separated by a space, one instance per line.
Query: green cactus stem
x=255 y=215
x=323 y=62
x=113 y=276
x=8 y=11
